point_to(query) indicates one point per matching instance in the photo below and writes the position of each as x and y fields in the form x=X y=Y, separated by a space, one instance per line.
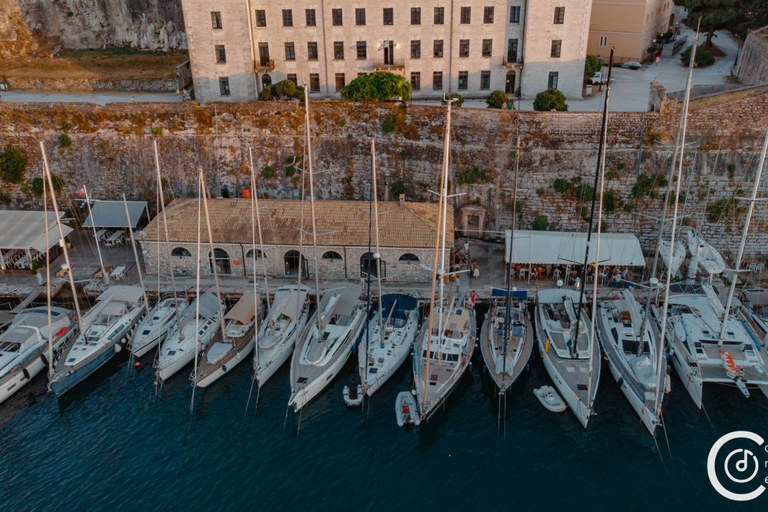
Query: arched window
x=409 y=258
x=180 y=252
x=333 y=256
x=370 y=264
x=266 y=80
x=221 y=259
x=293 y=261
x=259 y=254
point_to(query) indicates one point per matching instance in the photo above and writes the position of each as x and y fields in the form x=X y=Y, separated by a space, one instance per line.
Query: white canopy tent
x=25 y=231
x=111 y=214
x=553 y=248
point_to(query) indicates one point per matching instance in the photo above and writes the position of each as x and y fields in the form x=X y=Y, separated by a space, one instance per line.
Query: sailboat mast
x=253 y=264
x=161 y=196
x=443 y=174
x=135 y=254
x=508 y=311
x=747 y=221
x=378 y=249
x=197 y=293
x=312 y=207
x=48 y=280
x=204 y=188
x=104 y=274
x=61 y=237
x=255 y=207
x=601 y=151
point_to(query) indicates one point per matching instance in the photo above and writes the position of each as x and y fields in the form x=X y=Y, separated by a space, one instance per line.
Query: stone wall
x=111 y=153
x=145 y=24
x=93 y=84
x=752 y=67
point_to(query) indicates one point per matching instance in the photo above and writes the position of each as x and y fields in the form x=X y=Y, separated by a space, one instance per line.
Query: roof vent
x=401 y=197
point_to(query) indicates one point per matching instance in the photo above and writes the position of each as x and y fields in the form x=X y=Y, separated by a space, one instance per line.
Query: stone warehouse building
x=406 y=234
x=471 y=47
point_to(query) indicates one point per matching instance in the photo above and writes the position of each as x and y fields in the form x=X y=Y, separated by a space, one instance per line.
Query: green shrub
x=5 y=198
x=283 y=90
x=472 y=175
x=387 y=126
x=497 y=99
x=592 y=65
x=290 y=171
x=13 y=164
x=561 y=185
x=541 y=191
x=64 y=140
x=398 y=188
x=454 y=96
x=37 y=185
x=703 y=58
x=269 y=172
x=66 y=127
x=540 y=223
x=377 y=86
x=646 y=185
x=157 y=131
x=611 y=201
x=551 y=99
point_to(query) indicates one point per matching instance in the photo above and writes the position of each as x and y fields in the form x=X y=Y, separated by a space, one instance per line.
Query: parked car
x=632 y=65
x=599 y=79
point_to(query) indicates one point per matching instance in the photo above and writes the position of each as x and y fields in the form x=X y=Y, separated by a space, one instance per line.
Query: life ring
x=26 y=373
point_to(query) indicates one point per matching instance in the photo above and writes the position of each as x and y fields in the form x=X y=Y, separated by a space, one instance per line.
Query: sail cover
x=209 y=305
x=244 y=310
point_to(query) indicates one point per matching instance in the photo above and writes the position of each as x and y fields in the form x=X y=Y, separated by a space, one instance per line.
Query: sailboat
x=326 y=343
x=565 y=334
x=108 y=326
x=446 y=341
x=24 y=345
x=702 y=253
x=223 y=354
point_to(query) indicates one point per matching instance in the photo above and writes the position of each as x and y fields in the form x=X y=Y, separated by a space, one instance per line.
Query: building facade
x=406 y=232
x=468 y=47
x=628 y=25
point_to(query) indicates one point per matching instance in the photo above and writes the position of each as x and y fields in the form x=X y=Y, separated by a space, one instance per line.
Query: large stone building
x=471 y=47
x=406 y=232
x=628 y=25
x=752 y=67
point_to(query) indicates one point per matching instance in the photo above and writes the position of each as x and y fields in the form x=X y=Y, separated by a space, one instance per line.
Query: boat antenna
x=63 y=243
x=104 y=274
x=312 y=206
x=197 y=292
x=135 y=254
x=600 y=164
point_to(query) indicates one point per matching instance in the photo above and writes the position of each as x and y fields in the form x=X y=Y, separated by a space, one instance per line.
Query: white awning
x=551 y=248
x=111 y=214
x=26 y=230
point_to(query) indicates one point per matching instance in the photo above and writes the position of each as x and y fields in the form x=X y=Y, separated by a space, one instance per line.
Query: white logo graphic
x=746 y=465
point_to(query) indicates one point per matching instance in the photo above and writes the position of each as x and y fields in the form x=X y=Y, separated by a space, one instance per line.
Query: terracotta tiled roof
x=412 y=226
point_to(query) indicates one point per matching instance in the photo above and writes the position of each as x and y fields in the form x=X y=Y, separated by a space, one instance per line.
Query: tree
x=454 y=96
x=551 y=99
x=377 y=86
x=703 y=58
x=13 y=163
x=284 y=89
x=738 y=16
x=497 y=99
x=591 y=66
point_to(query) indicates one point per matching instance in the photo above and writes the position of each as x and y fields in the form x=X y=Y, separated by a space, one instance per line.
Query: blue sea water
x=112 y=445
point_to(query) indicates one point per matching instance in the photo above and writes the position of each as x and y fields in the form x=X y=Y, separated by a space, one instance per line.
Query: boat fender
x=546 y=347
x=667 y=383
x=44 y=359
x=621 y=382
x=224 y=368
x=118 y=348
x=26 y=373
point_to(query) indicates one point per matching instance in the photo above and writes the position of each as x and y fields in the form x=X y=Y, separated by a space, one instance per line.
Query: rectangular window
x=224 y=86
x=261 y=18
x=559 y=15
x=553 y=78
x=311 y=18
x=314 y=82
x=312 y=50
x=439 y=15
x=336 y=17
x=557 y=46
x=340 y=82
x=463 y=47
x=512 y=50
x=487 y=47
x=216 y=20
x=603 y=41
x=263 y=53
x=221 y=54
x=362 y=52
x=466 y=15
x=416 y=81
x=488 y=14
x=287 y=18
x=389 y=16
x=514 y=14
x=292 y=77
x=415 y=16
x=437 y=81
x=338 y=50
x=437 y=50
x=290 y=51
x=360 y=17
x=485 y=80
x=415 y=49
x=463 y=80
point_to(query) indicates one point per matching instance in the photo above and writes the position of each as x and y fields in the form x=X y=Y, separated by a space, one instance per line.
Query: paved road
x=100 y=98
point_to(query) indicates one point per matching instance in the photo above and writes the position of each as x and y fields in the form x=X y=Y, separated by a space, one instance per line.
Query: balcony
x=265 y=66
x=513 y=64
x=392 y=66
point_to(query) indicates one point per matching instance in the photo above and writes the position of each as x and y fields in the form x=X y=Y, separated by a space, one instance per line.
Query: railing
x=380 y=65
x=518 y=63
x=268 y=65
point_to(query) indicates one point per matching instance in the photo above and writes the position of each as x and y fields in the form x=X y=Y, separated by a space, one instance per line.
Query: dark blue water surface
x=112 y=445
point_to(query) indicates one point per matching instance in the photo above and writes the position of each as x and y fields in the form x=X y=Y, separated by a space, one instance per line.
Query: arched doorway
x=368 y=266
x=221 y=260
x=292 y=261
x=266 y=80
x=510 y=86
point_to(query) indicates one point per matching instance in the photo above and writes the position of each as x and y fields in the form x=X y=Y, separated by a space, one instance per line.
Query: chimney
x=401 y=197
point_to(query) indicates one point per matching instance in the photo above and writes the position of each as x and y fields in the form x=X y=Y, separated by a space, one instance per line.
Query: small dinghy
x=550 y=399
x=353 y=396
x=406 y=410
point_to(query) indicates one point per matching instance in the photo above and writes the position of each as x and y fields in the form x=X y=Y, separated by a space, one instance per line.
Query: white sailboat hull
x=307 y=393
x=578 y=407
x=648 y=417
x=400 y=348
x=148 y=343
x=223 y=369
x=271 y=359
x=692 y=380
x=399 y=357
